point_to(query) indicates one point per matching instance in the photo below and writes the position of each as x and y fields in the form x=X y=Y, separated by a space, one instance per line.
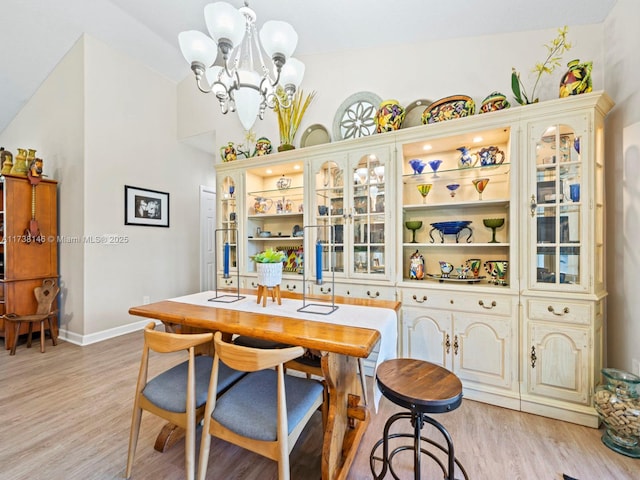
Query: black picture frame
x=146 y=208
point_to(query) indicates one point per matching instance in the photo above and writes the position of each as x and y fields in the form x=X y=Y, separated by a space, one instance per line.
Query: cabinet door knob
x=377 y=294
x=455 y=345
x=424 y=299
x=447 y=343
x=493 y=304
x=565 y=310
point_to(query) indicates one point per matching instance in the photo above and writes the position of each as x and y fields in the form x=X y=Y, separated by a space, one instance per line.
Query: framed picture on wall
x=148 y=208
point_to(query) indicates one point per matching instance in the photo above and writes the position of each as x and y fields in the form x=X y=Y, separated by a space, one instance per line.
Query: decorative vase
x=285 y=146
x=269 y=274
x=228 y=152
x=389 y=116
x=577 y=80
x=6 y=158
x=20 y=165
x=618 y=405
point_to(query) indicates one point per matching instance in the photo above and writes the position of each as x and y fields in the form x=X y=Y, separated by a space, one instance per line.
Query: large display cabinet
x=351 y=213
x=563 y=239
x=25 y=261
x=459 y=280
x=488 y=228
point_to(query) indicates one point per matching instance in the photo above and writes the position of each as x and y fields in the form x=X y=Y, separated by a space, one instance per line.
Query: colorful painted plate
x=448 y=108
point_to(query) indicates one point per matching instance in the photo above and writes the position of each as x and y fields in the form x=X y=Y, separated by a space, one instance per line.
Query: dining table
x=342 y=330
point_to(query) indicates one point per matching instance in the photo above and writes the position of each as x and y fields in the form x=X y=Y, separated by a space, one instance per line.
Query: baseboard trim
x=83 y=340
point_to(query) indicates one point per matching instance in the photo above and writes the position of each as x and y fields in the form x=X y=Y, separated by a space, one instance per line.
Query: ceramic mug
x=323 y=210
x=474 y=266
x=446 y=268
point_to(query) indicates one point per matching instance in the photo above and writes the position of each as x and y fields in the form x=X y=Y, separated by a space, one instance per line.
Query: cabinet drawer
x=356 y=291
x=465 y=302
x=560 y=311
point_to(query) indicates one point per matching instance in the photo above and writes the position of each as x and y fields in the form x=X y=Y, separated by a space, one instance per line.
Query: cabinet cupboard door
x=484 y=349
x=560 y=204
x=558 y=362
x=427 y=336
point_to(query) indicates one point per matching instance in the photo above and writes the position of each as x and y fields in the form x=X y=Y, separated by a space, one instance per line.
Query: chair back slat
x=164 y=342
x=45 y=295
x=250 y=359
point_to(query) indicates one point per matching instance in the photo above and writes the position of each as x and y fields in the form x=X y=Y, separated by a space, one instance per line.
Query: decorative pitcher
x=577 y=80
x=262 y=204
x=20 y=165
x=466 y=159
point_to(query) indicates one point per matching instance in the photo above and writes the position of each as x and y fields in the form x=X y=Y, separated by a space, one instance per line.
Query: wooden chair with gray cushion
x=265 y=411
x=45 y=295
x=179 y=394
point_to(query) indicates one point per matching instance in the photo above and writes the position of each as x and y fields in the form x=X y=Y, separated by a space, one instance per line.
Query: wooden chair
x=179 y=394
x=307 y=363
x=45 y=295
x=265 y=411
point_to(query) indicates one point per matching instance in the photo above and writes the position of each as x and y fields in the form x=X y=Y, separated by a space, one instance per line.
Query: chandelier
x=234 y=80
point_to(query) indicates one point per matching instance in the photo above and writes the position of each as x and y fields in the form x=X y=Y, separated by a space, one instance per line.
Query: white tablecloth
x=384 y=320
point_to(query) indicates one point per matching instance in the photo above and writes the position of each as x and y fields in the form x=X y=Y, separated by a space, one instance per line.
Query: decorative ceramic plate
x=316 y=134
x=355 y=117
x=414 y=111
x=454 y=278
x=448 y=108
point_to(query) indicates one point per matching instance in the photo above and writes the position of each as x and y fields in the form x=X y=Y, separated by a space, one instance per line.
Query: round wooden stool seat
x=419 y=385
x=422 y=388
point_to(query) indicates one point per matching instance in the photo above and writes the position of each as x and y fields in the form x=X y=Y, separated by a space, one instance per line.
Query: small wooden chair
x=45 y=295
x=264 y=412
x=179 y=394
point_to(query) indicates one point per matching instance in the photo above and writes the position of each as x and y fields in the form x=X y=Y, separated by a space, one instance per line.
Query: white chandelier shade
x=240 y=79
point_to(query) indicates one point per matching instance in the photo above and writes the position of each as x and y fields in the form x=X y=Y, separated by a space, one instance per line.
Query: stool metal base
x=417 y=421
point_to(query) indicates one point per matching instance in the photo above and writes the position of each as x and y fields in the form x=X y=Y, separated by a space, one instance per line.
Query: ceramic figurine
x=577 y=80
x=416 y=268
x=446 y=268
x=389 y=116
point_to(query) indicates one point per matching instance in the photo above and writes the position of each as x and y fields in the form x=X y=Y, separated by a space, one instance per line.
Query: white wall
x=471 y=66
x=622 y=43
x=52 y=122
x=109 y=121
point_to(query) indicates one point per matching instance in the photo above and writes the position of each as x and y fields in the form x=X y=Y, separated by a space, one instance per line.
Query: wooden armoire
x=25 y=261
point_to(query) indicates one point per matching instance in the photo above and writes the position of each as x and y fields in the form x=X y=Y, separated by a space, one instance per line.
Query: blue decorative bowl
x=451 y=228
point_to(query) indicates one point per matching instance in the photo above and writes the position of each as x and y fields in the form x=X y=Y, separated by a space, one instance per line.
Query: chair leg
x=363 y=382
x=15 y=338
x=42 y=336
x=133 y=438
x=54 y=340
x=29 y=335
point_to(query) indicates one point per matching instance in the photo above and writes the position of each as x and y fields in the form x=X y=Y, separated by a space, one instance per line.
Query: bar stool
x=422 y=388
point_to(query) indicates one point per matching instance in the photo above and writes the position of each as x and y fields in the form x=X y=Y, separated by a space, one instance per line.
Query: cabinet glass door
x=351 y=214
x=330 y=216
x=557 y=207
x=229 y=224
x=368 y=216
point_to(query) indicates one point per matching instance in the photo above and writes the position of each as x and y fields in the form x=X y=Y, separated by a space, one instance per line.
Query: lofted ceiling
x=36 y=34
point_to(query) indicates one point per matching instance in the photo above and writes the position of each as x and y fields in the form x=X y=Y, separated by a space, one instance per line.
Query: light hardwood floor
x=65 y=415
